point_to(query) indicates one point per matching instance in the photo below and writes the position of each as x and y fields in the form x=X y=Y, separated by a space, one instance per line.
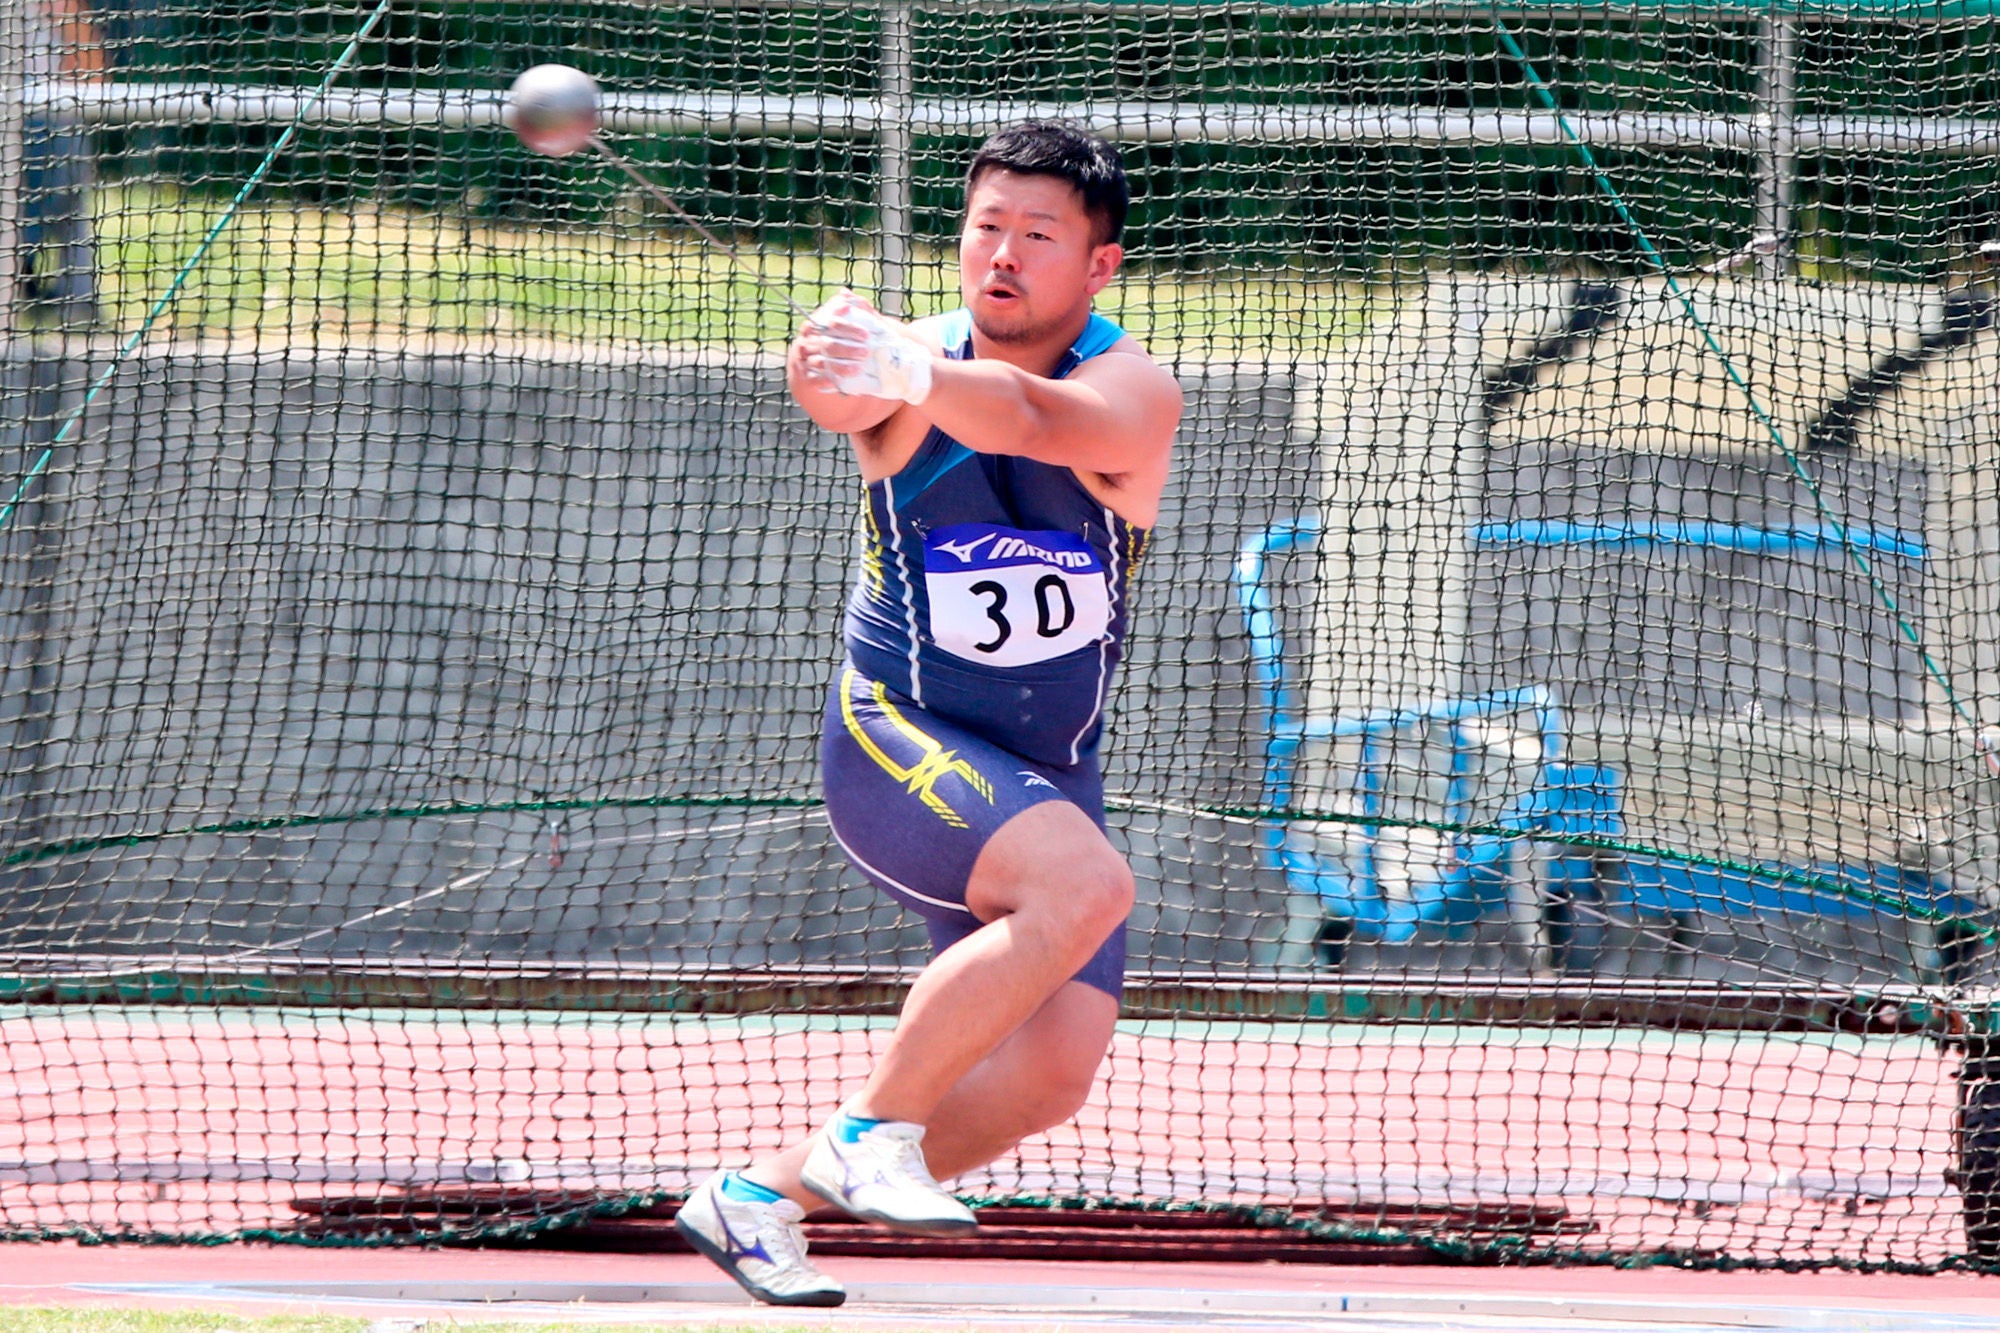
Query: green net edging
x=1785 y=876
x=1480 y=1250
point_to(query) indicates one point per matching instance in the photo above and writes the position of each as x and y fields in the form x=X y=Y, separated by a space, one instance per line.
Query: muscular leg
x=994 y=1038
x=1050 y=888
x=1038 y=1078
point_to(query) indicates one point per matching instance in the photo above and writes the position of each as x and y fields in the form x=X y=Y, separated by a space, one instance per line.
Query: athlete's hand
x=856 y=350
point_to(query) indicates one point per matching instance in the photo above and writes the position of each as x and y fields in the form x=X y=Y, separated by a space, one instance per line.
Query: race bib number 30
x=1009 y=598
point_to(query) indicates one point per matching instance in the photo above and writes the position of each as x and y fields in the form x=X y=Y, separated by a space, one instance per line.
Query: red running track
x=192 y=1123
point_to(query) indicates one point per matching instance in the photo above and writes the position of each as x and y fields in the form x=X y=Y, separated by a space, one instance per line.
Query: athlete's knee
x=1076 y=906
x=1084 y=903
x=1104 y=889
x=1059 y=870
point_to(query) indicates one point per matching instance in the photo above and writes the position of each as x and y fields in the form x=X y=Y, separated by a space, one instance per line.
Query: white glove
x=870 y=355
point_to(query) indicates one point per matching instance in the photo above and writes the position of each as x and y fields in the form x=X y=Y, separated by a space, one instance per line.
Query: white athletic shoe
x=882 y=1177
x=761 y=1245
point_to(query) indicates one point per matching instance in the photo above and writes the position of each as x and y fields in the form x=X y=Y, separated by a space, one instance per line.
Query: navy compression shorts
x=913 y=800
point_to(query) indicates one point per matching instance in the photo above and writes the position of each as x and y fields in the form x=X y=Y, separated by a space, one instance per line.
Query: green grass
x=287 y=272
x=29 y=1319
x=99 y=1319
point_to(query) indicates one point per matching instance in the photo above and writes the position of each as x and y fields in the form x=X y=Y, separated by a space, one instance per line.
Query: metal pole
x=893 y=207
x=37 y=526
x=858 y=119
x=33 y=371
x=1777 y=135
x=13 y=90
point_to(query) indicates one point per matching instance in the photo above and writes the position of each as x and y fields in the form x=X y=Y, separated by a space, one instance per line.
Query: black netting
x=1560 y=747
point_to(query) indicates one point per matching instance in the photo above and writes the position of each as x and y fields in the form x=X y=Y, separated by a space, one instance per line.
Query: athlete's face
x=1028 y=258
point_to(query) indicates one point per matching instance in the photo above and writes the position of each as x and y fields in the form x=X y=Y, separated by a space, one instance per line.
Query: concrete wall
x=260 y=587
x=1640 y=629
x=365 y=598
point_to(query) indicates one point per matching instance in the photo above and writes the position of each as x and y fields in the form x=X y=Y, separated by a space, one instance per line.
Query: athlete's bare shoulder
x=1129 y=349
x=1128 y=465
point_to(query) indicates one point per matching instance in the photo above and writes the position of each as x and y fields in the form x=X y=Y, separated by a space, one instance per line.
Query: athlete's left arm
x=1114 y=415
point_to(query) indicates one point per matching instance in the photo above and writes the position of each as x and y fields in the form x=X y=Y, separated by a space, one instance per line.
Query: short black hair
x=1069 y=153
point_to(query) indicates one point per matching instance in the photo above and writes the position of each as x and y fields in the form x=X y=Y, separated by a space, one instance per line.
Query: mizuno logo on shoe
x=736 y=1245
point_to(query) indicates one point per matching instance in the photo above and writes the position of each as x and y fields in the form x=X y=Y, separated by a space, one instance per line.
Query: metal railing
x=1774 y=135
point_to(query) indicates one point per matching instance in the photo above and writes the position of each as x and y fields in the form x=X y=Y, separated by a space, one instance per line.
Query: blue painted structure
x=1564 y=799
x=1808 y=540
x=1471 y=882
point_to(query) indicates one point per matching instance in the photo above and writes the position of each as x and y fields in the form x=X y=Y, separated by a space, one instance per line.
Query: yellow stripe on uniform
x=921 y=778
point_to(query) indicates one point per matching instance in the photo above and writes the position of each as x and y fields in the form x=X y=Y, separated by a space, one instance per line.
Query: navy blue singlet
x=992 y=590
